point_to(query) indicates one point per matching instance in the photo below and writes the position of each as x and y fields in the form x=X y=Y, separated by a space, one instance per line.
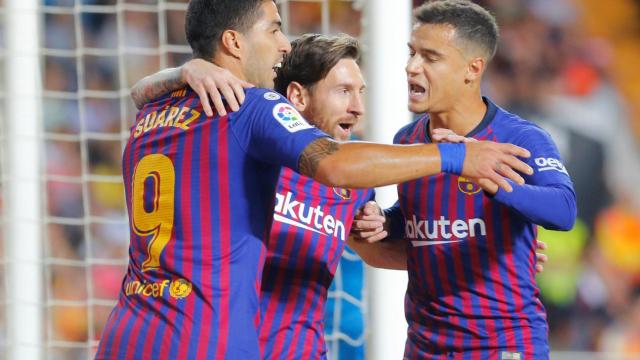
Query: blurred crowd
x=558 y=64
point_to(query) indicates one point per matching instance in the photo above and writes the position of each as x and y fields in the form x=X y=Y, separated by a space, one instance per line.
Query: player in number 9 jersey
x=197 y=191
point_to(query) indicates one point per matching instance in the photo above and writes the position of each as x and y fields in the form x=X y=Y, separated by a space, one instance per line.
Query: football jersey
x=344 y=315
x=199 y=193
x=471 y=258
x=311 y=223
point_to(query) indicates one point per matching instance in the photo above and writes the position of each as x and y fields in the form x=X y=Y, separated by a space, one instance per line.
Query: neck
x=230 y=63
x=462 y=118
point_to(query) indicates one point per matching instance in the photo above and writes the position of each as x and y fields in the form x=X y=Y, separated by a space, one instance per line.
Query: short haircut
x=206 y=20
x=473 y=24
x=311 y=58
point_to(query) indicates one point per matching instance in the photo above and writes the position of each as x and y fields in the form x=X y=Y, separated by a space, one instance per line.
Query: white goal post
x=22 y=191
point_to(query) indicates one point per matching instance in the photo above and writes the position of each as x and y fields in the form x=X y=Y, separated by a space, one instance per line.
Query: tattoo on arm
x=314 y=153
x=153 y=86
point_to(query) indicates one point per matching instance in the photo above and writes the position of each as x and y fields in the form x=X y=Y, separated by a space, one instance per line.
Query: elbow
x=564 y=224
x=570 y=213
x=334 y=174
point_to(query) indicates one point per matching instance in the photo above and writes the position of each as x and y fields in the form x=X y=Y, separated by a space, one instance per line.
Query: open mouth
x=276 y=67
x=416 y=90
x=346 y=126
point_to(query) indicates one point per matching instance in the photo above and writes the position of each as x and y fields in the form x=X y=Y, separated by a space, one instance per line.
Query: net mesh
x=92 y=52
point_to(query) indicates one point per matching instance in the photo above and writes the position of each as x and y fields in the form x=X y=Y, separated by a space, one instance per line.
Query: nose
x=285 y=45
x=413 y=65
x=356 y=105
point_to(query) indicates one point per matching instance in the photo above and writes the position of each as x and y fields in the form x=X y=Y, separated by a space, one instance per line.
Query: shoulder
x=263 y=95
x=265 y=100
x=514 y=128
x=408 y=131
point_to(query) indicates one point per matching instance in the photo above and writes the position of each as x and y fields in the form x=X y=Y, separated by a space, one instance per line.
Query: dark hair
x=471 y=21
x=206 y=20
x=311 y=58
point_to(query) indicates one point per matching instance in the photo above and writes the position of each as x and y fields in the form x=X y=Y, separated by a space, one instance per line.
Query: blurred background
x=569 y=65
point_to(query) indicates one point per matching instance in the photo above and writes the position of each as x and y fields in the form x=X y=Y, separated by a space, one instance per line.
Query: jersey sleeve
x=545 y=159
x=270 y=129
x=547 y=198
x=396 y=222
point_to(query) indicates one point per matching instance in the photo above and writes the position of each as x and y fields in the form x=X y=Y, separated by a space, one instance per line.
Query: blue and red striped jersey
x=311 y=223
x=470 y=257
x=199 y=193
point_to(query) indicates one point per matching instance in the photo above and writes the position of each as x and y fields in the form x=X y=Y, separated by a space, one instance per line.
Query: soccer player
x=199 y=192
x=470 y=245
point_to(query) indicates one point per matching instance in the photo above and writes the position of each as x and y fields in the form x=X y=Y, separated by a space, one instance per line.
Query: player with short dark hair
x=471 y=246
x=199 y=191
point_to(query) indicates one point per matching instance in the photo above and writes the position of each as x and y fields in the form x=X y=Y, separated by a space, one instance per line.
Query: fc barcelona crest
x=343 y=193
x=466 y=186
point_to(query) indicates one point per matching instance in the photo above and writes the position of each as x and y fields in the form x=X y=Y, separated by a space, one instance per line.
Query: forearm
x=366 y=165
x=553 y=207
x=383 y=255
x=156 y=85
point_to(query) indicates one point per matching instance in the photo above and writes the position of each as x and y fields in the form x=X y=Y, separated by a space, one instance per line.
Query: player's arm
x=383 y=255
x=367 y=165
x=548 y=198
x=205 y=78
x=271 y=130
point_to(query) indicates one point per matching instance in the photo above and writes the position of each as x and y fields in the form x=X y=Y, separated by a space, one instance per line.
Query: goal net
x=90 y=53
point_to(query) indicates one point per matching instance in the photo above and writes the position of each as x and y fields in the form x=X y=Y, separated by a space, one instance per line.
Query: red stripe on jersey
x=204 y=172
x=225 y=236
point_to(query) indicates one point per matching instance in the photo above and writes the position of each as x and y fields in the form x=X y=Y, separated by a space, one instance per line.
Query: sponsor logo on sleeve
x=547 y=164
x=271 y=96
x=290 y=118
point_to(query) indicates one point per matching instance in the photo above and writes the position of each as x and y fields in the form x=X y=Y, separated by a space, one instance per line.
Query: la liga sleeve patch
x=290 y=118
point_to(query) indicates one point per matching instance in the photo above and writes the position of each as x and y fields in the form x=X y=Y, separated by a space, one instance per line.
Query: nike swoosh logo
x=285 y=220
x=417 y=243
